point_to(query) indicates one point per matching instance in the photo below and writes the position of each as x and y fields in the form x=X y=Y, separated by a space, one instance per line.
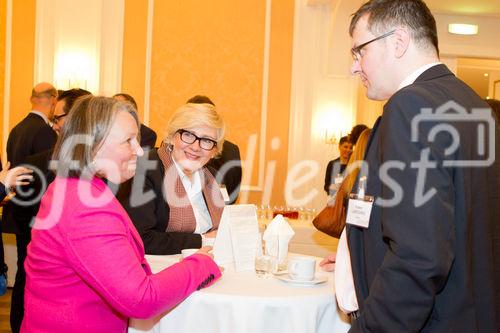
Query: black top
x=333 y=168
x=148 y=136
x=227 y=169
x=430 y=261
x=31 y=136
x=151 y=218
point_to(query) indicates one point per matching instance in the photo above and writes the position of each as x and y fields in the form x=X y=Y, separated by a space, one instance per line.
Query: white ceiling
x=467 y=7
x=471 y=70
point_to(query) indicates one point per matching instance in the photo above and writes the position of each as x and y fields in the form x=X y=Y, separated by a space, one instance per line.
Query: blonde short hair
x=193 y=115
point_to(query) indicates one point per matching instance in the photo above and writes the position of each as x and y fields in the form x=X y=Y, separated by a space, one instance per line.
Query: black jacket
x=151 y=218
x=429 y=267
x=31 y=136
x=227 y=169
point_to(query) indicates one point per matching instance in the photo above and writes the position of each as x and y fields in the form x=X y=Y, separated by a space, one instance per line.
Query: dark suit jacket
x=31 y=194
x=227 y=169
x=31 y=136
x=332 y=170
x=151 y=218
x=428 y=268
x=148 y=136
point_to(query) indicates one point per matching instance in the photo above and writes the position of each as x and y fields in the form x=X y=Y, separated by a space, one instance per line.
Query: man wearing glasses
x=423 y=259
x=65 y=102
x=31 y=136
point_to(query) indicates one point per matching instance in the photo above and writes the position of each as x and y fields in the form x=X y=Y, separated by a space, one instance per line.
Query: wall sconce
x=74 y=69
x=332 y=138
x=66 y=83
x=463 y=29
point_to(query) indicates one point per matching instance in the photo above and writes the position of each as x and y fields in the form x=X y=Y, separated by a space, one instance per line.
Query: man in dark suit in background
x=31 y=194
x=148 y=136
x=424 y=259
x=65 y=101
x=32 y=135
x=228 y=163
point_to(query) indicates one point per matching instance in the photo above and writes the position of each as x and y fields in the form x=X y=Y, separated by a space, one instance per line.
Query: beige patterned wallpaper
x=217 y=48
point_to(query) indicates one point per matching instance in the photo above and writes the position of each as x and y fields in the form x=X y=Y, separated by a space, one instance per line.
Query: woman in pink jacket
x=85 y=267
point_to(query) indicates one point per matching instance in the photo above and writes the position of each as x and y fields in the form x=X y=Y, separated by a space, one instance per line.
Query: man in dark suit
x=148 y=136
x=226 y=167
x=424 y=259
x=31 y=194
x=32 y=135
x=65 y=101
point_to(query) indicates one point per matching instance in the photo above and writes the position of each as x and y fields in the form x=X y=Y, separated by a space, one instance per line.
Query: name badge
x=224 y=193
x=359 y=210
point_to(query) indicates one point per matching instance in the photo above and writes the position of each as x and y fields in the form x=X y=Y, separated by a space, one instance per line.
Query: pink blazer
x=85 y=269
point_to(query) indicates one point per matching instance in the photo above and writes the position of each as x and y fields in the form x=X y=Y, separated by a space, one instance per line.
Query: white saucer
x=317 y=280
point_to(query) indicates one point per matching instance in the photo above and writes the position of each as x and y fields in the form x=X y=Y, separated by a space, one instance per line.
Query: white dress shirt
x=344 y=282
x=413 y=76
x=195 y=195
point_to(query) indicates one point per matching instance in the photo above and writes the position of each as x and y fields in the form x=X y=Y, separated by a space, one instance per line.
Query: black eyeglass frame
x=196 y=138
x=356 y=51
x=55 y=119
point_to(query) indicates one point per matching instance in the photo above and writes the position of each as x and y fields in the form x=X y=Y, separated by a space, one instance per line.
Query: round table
x=244 y=302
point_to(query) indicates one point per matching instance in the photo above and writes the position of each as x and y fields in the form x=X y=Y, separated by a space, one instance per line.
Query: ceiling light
x=486 y=74
x=462 y=29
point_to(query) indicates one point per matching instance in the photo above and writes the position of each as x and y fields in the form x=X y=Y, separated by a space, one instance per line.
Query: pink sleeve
x=101 y=253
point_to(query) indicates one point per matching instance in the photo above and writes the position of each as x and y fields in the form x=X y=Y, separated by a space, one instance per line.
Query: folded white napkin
x=277 y=236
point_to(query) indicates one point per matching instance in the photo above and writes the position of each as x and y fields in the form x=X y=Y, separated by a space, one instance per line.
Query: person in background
x=187 y=203
x=424 y=258
x=343 y=276
x=30 y=136
x=9 y=178
x=337 y=166
x=31 y=194
x=148 y=136
x=226 y=167
x=495 y=106
x=86 y=270
x=356 y=132
x=65 y=101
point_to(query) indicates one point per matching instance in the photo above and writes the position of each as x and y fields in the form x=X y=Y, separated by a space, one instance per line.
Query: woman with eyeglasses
x=174 y=201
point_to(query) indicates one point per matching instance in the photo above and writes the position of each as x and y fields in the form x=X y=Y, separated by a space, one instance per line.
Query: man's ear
x=402 y=42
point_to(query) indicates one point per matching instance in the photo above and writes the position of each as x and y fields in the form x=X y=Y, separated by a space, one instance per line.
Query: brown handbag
x=331 y=220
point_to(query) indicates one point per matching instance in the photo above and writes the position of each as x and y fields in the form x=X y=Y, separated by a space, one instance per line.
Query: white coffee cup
x=301 y=268
x=188 y=252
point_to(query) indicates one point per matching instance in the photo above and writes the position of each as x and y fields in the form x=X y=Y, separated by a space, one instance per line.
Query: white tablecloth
x=243 y=302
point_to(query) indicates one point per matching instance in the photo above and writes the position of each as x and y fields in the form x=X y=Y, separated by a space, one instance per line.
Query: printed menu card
x=237 y=237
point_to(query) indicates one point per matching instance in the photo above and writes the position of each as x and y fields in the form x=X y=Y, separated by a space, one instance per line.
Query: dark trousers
x=17 y=306
x=3 y=266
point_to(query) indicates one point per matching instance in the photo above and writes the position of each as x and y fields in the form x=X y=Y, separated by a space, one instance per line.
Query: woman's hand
x=15 y=177
x=205 y=250
x=328 y=263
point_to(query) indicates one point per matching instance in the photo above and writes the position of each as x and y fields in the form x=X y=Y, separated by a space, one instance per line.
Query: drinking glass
x=263 y=265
